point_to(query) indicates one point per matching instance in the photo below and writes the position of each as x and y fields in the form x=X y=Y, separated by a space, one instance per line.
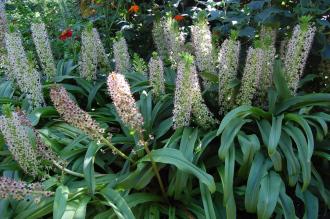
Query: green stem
x=108 y=143
x=68 y=171
x=155 y=168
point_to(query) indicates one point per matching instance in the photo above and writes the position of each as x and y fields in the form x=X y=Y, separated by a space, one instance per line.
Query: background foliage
x=246 y=159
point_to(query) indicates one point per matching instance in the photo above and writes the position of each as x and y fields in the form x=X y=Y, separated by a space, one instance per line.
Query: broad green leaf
x=6 y=89
x=286 y=203
x=61 y=197
x=163 y=128
x=310 y=201
x=235 y=113
x=89 y=166
x=317 y=180
x=47 y=111
x=187 y=146
x=249 y=145
x=176 y=158
x=308 y=131
x=93 y=93
x=268 y=195
x=137 y=199
x=275 y=134
x=293 y=166
x=300 y=141
x=145 y=104
x=296 y=102
x=258 y=171
x=207 y=200
x=281 y=84
x=44 y=208
x=81 y=209
x=227 y=178
x=138 y=179
x=228 y=135
x=117 y=202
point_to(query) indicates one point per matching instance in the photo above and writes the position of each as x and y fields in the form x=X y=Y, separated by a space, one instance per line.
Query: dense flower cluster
x=92 y=53
x=188 y=98
x=41 y=41
x=183 y=98
x=159 y=39
x=251 y=76
x=10 y=188
x=124 y=102
x=19 y=138
x=3 y=24
x=266 y=76
x=156 y=71
x=297 y=54
x=228 y=66
x=88 y=55
x=202 y=43
x=23 y=71
x=44 y=151
x=121 y=55
x=72 y=114
x=201 y=114
x=102 y=57
x=173 y=38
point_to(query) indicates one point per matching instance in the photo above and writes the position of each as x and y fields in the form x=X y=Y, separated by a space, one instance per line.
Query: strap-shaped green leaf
x=176 y=158
x=117 y=202
x=268 y=195
x=61 y=197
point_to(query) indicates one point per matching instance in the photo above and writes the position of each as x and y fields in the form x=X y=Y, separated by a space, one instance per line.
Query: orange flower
x=178 y=17
x=134 y=8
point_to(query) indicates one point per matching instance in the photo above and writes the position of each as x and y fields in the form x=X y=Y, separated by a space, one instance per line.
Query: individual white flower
x=42 y=44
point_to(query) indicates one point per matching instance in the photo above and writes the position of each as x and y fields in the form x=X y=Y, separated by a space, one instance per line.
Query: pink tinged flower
x=73 y=114
x=124 y=102
x=10 y=188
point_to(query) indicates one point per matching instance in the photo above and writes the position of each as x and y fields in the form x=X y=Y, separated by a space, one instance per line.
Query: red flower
x=66 y=34
x=134 y=8
x=178 y=17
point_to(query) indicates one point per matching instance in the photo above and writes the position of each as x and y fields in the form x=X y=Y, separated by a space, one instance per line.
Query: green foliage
x=268 y=161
